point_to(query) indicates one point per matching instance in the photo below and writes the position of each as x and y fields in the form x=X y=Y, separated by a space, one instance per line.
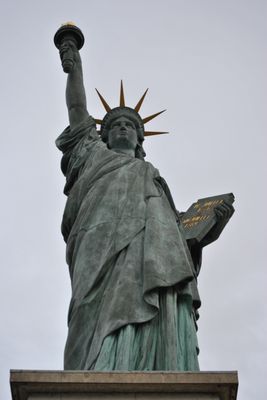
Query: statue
x=133 y=272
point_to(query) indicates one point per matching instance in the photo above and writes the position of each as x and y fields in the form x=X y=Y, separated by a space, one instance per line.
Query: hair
x=134 y=117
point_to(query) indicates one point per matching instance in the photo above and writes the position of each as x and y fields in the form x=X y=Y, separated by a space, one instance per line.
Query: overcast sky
x=203 y=60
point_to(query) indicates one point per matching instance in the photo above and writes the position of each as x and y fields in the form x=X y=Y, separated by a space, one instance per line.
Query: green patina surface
x=133 y=274
x=124 y=249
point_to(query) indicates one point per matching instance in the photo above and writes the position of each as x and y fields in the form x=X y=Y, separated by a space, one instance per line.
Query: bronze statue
x=133 y=273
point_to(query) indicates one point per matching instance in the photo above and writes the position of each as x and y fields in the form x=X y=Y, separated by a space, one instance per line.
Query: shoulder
x=150 y=167
x=69 y=138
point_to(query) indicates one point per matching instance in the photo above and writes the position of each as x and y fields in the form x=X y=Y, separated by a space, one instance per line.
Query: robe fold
x=127 y=255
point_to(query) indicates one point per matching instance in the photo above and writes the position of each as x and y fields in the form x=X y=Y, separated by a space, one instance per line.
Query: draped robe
x=132 y=276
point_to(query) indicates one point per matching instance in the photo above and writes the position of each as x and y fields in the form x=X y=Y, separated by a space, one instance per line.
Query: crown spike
x=140 y=102
x=98 y=121
x=145 y=120
x=152 y=133
x=103 y=101
x=122 y=100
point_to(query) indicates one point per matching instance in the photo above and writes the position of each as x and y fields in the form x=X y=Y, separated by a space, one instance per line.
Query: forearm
x=75 y=92
x=212 y=235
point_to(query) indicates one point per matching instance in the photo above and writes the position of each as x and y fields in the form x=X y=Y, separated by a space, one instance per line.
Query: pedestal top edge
x=122 y=377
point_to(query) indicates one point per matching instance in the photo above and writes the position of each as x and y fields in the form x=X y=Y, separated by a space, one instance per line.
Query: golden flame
x=68 y=23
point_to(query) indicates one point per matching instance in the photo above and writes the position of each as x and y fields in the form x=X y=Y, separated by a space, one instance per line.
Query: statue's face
x=122 y=134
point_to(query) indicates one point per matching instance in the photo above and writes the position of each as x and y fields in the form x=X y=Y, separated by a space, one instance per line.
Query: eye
x=130 y=125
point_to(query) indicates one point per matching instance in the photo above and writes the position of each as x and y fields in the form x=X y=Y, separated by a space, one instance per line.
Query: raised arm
x=75 y=92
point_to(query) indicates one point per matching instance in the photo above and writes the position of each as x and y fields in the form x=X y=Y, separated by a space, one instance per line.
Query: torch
x=68 y=31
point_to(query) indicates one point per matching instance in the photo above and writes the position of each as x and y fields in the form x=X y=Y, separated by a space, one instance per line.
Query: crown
x=134 y=110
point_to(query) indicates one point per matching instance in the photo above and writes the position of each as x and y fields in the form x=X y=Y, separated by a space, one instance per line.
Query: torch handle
x=67 y=60
x=67 y=65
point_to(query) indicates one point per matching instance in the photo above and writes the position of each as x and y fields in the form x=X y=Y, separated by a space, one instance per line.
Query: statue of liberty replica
x=133 y=268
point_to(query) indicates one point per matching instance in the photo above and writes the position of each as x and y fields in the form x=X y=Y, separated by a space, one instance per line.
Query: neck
x=127 y=152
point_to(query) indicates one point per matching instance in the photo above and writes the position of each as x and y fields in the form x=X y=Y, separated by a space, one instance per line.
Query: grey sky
x=205 y=61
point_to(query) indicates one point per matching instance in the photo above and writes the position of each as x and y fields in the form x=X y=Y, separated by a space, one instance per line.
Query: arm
x=223 y=213
x=75 y=92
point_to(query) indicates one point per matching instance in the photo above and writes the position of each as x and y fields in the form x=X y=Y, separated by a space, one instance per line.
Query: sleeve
x=77 y=146
x=196 y=256
x=167 y=191
x=195 y=250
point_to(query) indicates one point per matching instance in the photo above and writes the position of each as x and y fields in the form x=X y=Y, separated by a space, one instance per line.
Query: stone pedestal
x=85 y=385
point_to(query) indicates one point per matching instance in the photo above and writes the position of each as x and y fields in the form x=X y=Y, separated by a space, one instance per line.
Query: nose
x=123 y=126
